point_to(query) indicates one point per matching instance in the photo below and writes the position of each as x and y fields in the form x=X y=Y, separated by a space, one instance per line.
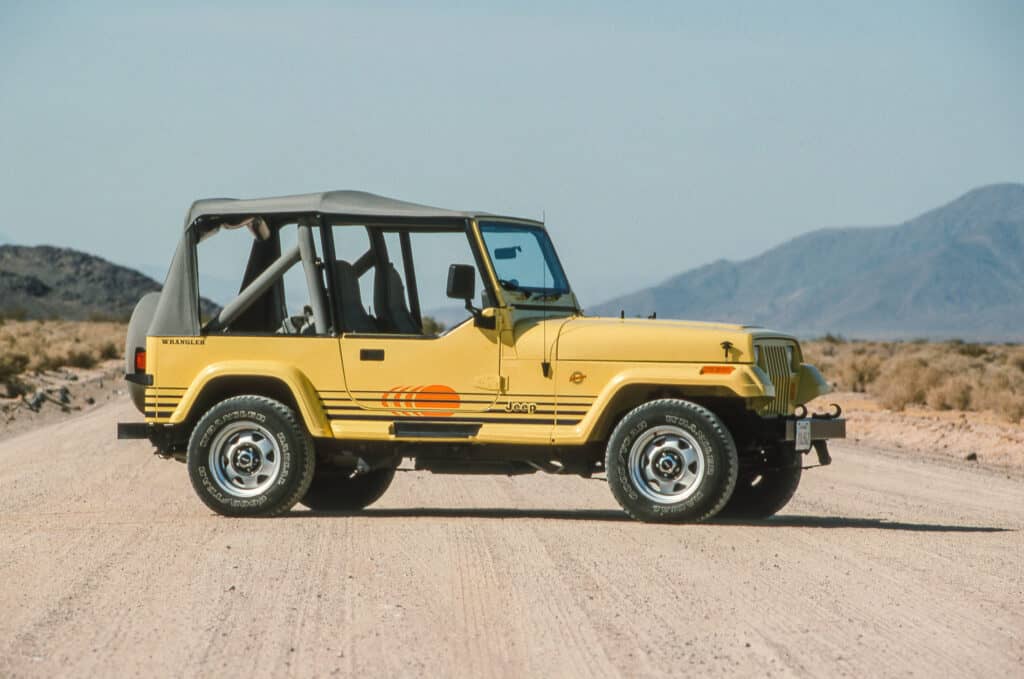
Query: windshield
x=524 y=258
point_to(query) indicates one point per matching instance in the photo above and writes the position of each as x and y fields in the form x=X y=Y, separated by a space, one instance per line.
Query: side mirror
x=462 y=282
x=462 y=285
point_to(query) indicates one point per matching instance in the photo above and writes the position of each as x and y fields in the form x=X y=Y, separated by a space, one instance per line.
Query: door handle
x=371 y=354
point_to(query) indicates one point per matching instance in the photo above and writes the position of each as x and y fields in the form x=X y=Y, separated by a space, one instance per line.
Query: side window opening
x=353 y=270
x=392 y=292
x=433 y=253
x=231 y=258
x=391 y=279
x=299 y=311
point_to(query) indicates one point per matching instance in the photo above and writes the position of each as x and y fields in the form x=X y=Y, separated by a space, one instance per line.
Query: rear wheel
x=671 y=460
x=342 y=490
x=250 y=456
x=761 y=494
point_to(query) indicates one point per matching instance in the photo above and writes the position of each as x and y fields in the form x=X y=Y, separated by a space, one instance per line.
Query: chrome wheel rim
x=245 y=459
x=666 y=464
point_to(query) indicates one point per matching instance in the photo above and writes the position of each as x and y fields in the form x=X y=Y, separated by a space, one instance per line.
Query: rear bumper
x=134 y=430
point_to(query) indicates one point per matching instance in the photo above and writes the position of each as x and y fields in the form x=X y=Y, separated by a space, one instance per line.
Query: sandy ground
x=979 y=438
x=882 y=566
x=55 y=394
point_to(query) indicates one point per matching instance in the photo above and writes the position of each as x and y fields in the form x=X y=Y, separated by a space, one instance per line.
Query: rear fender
x=304 y=394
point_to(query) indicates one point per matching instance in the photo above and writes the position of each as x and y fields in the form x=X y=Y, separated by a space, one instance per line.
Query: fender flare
x=747 y=381
x=295 y=381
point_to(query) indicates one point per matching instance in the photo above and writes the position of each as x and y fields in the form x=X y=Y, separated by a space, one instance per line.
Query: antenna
x=545 y=365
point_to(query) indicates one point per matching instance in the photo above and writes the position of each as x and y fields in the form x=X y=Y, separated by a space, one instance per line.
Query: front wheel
x=761 y=494
x=250 y=456
x=671 y=460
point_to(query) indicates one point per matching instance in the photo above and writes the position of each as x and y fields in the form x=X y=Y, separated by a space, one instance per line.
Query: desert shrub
x=109 y=351
x=970 y=349
x=431 y=326
x=829 y=338
x=905 y=381
x=857 y=371
x=1017 y=362
x=77 y=358
x=951 y=394
x=16 y=387
x=1012 y=407
x=12 y=364
x=48 y=361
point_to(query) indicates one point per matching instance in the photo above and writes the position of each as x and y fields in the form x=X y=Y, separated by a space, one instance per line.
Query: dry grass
x=940 y=375
x=35 y=346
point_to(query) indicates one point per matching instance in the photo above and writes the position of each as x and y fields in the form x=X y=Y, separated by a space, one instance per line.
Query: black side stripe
x=461 y=420
x=462 y=393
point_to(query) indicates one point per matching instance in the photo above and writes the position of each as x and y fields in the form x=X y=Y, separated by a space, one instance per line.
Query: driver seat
x=389 y=300
x=349 y=303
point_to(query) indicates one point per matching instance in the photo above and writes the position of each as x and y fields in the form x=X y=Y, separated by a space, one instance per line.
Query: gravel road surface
x=110 y=566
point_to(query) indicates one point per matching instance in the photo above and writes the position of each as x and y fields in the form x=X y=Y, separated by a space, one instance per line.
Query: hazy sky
x=655 y=137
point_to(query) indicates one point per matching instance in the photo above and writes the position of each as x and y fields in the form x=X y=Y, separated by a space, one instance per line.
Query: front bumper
x=803 y=433
x=820 y=428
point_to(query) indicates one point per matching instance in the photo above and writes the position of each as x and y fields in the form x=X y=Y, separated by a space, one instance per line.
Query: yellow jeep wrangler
x=324 y=372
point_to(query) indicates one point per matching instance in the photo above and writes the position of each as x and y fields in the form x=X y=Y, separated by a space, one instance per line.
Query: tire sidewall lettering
x=279 y=428
x=716 y=465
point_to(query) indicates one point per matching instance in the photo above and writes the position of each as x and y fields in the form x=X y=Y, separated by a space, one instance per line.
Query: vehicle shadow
x=479 y=513
x=799 y=521
x=602 y=515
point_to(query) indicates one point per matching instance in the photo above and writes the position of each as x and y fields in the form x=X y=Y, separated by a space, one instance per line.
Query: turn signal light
x=717 y=370
x=140 y=360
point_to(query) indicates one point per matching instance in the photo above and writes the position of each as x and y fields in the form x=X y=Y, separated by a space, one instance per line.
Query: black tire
x=759 y=495
x=674 y=430
x=259 y=428
x=337 y=490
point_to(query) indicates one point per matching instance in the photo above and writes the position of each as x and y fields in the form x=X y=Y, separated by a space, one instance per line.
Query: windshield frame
x=547 y=248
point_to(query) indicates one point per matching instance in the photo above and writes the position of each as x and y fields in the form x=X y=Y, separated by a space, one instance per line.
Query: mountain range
x=954 y=272
x=51 y=282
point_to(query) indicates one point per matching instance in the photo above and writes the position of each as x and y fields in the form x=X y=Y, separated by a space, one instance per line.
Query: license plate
x=803 y=435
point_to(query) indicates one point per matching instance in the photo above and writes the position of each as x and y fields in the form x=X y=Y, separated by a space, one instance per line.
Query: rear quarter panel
x=183 y=366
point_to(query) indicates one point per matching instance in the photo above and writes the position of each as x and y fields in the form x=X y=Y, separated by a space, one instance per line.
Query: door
x=429 y=377
x=398 y=361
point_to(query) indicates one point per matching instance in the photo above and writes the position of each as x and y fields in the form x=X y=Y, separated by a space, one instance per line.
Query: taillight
x=717 y=370
x=140 y=360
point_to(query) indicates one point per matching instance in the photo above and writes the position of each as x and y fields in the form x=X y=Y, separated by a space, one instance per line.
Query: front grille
x=773 y=361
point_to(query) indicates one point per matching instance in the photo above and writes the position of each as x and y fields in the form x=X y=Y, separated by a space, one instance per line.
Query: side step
x=449 y=466
x=434 y=430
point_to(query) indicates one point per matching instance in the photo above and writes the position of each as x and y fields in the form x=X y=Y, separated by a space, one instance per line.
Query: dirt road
x=109 y=566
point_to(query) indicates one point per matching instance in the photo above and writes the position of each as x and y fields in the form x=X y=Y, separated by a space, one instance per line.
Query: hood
x=614 y=339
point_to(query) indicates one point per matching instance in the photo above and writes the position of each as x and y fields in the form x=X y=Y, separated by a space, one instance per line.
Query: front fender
x=306 y=397
x=810 y=384
x=746 y=381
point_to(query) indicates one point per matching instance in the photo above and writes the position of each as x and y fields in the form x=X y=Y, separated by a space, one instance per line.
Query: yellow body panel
x=542 y=376
x=467 y=375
